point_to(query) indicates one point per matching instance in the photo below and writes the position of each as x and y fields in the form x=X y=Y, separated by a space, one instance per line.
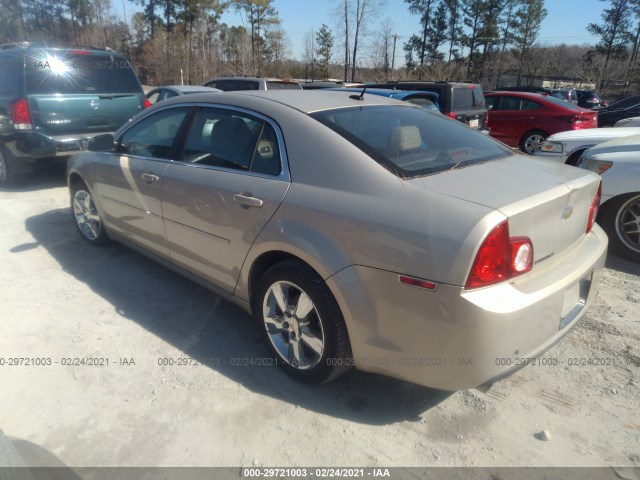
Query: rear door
x=81 y=91
x=232 y=178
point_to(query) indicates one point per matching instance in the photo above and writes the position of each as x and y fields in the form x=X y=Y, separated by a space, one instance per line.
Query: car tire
x=85 y=215
x=532 y=141
x=620 y=218
x=8 y=175
x=313 y=347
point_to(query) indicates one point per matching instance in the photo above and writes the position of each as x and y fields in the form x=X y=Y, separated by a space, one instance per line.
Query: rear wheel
x=621 y=220
x=86 y=215
x=532 y=141
x=301 y=323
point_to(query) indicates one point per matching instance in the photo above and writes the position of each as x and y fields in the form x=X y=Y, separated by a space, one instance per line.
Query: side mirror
x=101 y=143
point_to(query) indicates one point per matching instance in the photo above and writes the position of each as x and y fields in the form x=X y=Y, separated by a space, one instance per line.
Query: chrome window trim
x=284 y=176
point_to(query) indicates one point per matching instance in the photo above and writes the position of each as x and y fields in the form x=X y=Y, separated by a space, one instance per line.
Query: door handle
x=149 y=177
x=247 y=200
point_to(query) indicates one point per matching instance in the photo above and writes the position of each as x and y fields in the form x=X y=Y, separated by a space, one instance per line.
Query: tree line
x=492 y=42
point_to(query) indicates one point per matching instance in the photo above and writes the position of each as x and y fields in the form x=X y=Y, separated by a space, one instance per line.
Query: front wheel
x=533 y=141
x=621 y=220
x=86 y=216
x=301 y=323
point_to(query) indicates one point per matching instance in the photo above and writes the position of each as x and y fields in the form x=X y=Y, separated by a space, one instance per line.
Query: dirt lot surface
x=62 y=299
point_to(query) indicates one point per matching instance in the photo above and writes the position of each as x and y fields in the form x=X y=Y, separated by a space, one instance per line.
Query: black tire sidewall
x=334 y=360
x=607 y=220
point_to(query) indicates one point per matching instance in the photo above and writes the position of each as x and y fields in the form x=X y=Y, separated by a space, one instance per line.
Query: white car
x=566 y=147
x=618 y=163
x=628 y=122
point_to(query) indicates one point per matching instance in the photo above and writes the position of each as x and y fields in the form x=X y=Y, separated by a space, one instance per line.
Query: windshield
x=410 y=141
x=51 y=72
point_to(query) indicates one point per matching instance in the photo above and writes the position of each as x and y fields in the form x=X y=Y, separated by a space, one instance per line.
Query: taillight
x=500 y=258
x=20 y=115
x=147 y=103
x=452 y=115
x=595 y=207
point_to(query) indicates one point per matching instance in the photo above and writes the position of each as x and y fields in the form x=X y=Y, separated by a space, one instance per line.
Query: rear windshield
x=65 y=73
x=283 y=86
x=410 y=141
x=563 y=104
x=465 y=98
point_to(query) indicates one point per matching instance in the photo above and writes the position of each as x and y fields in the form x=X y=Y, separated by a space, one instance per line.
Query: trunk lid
x=543 y=200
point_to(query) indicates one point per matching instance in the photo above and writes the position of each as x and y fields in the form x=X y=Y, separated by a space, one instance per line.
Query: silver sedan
x=358 y=230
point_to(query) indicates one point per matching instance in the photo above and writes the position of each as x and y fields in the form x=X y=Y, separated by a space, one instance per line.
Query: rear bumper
x=454 y=339
x=33 y=146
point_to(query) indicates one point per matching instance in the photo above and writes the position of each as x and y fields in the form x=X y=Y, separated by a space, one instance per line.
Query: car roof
x=266 y=79
x=306 y=101
x=389 y=92
x=529 y=95
x=189 y=88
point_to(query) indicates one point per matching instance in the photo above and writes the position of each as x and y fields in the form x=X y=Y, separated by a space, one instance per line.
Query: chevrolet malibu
x=358 y=230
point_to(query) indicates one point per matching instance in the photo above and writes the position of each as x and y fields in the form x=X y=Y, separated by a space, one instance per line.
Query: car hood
x=594 y=134
x=626 y=144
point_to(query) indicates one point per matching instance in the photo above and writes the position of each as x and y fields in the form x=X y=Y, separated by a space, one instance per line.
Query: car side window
x=529 y=105
x=492 y=102
x=509 y=103
x=230 y=139
x=155 y=135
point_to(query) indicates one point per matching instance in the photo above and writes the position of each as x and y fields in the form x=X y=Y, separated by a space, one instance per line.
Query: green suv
x=52 y=100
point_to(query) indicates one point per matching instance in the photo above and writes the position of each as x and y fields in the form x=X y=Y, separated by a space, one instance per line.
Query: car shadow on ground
x=620 y=264
x=52 y=175
x=214 y=331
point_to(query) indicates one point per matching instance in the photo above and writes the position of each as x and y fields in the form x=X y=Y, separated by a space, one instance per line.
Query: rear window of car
x=410 y=141
x=563 y=103
x=465 y=98
x=283 y=86
x=65 y=73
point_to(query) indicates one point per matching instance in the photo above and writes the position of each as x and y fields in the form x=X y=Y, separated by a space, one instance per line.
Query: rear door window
x=509 y=104
x=247 y=85
x=235 y=140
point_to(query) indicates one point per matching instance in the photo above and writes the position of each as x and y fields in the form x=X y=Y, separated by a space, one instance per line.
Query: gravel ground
x=63 y=299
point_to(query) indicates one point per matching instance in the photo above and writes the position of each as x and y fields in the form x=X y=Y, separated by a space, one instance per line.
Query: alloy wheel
x=86 y=215
x=627 y=223
x=293 y=325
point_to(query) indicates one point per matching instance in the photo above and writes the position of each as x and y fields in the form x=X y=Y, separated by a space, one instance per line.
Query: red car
x=525 y=120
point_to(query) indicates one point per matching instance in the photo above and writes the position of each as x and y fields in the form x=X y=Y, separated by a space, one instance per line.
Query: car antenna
x=359 y=97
